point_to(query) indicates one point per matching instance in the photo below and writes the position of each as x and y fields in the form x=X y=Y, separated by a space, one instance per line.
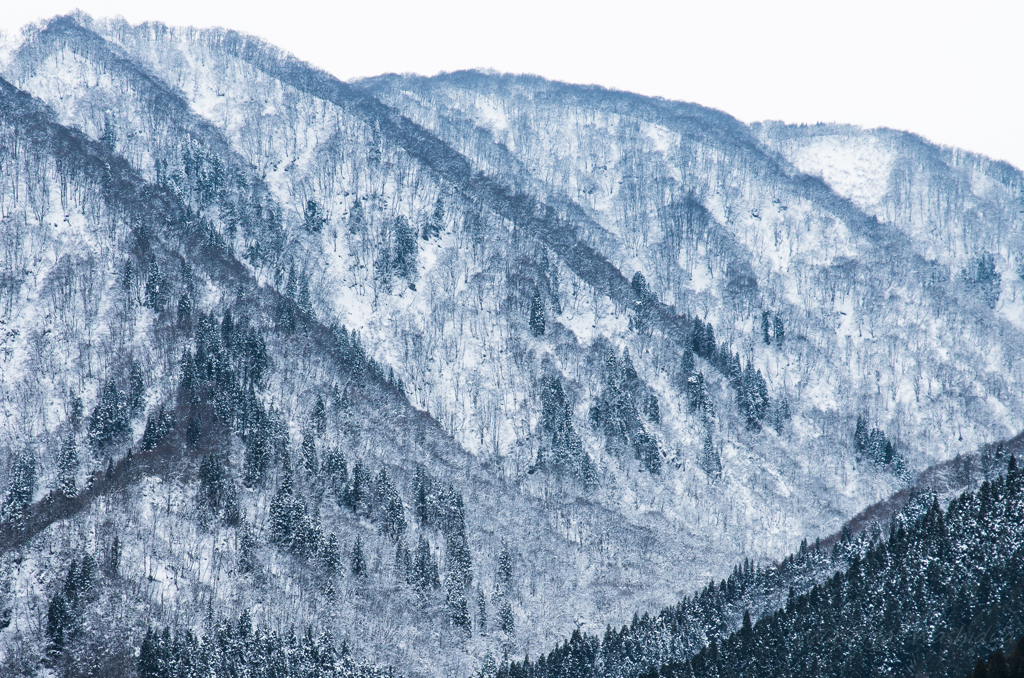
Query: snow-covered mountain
x=586 y=349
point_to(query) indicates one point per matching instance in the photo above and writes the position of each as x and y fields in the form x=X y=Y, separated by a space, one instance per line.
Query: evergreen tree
x=127 y=281
x=67 y=466
x=58 y=622
x=109 y=422
x=780 y=416
x=314 y=217
x=246 y=548
x=216 y=491
x=287 y=516
x=644 y=305
x=779 y=329
x=155 y=288
x=136 y=390
x=309 y=456
x=185 y=308
x=860 y=437
x=21 y=487
x=537 y=320
x=766 y=326
x=258 y=451
x=425 y=576
x=357 y=218
x=652 y=410
x=647 y=451
x=335 y=472
x=109 y=136
x=506 y=618
x=698 y=398
x=459 y=560
x=112 y=562
x=392 y=511
x=406 y=249
x=481 y=611
x=318 y=417
x=458 y=608
x=435 y=224
x=422 y=492
x=711 y=462
x=687 y=364
x=403 y=561
x=356 y=493
x=330 y=555
x=358 y=559
x=986 y=280
x=504 y=580
x=77 y=411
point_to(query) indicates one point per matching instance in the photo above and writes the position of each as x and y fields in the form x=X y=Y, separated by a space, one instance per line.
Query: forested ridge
x=942 y=589
x=416 y=376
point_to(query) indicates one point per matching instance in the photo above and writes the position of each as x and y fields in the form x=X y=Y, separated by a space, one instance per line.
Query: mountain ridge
x=631 y=332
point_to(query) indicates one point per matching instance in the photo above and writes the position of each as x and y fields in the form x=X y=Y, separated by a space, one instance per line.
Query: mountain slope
x=613 y=343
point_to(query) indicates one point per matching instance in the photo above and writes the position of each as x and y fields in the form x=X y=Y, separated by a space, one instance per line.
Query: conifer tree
x=458 y=608
x=403 y=561
x=329 y=555
x=58 y=621
x=506 y=618
x=67 y=466
x=310 y=458
x=136 y=390
x=318 y=417
x=358 y=559
x=687 y=366
x=356 y=493
x=313 y=217
x=109 y=421
x=537 y=320
x=711 y=462
x=406 y=249
x=435 y=224
x=652 y=410
x=425 y=575
x=481 y=611
x=246 y=548
x=21 y=487
x=505 y=576
x=155 y=288
x=335 y=472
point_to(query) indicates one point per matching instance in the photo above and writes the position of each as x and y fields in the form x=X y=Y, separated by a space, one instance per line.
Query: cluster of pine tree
x=440 y=507
x=983 y=279
x=120 y=401
x=772 y=328
x=561 y=446
x=242 y=649
x=396 y=254
x=67 y=606
x=700 y=404
x=546 y=288
x=21 y=488
x=617 y=415
x=751 y=389
x=645 y=306
x=875 y=447
x=944 y=588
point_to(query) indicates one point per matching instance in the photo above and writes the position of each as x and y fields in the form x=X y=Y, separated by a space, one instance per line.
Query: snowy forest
x=490 y=376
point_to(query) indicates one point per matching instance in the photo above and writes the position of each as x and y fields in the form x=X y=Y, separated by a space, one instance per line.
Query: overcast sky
x=952 y=72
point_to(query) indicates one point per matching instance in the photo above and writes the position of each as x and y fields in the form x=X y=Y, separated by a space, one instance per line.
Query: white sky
x=952 y=72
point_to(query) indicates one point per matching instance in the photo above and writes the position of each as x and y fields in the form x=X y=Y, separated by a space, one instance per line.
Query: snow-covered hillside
x=640 y=340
